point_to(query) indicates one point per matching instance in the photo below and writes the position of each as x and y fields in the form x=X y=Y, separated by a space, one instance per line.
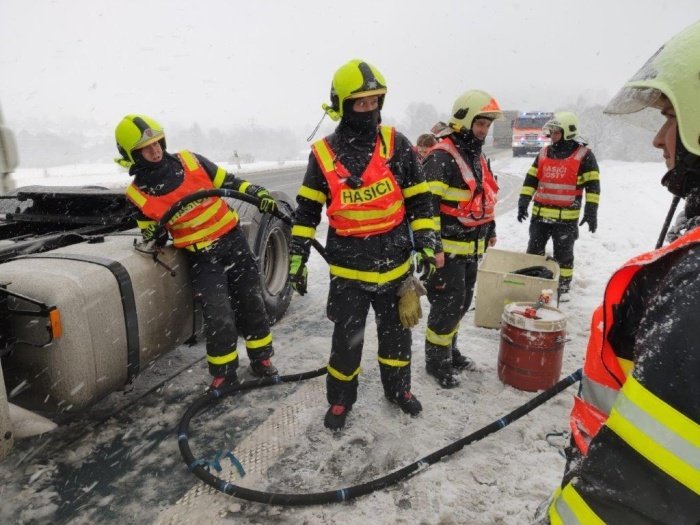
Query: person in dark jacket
x=635 y=453
x=224 y=273
x=376 y=199
x=557 y=179
x=464 y=198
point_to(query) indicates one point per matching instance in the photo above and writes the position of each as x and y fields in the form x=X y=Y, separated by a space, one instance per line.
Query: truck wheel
x=272 y=249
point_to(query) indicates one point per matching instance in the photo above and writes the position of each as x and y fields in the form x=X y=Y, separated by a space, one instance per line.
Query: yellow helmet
x=355 y=79
x=472 y=104
x=673 y=71
x=566 y=122
x=136 y=132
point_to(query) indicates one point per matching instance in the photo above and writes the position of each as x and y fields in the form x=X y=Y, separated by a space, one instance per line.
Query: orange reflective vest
x=481 y=208
x=201 y=220
x=375 y=207
x=557 y=178
x=604 y=372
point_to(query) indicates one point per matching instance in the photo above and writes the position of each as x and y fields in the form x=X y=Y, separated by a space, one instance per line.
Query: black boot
x=563 y=293
x=263 y=368
x=219 y=382
x=462 y=362
x=408 y=403
x=335 y=417
x=443 y=372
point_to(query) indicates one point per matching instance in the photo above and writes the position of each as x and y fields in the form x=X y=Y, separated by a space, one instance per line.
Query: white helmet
x=564 y=121
x=473 y=104
x=673 y=71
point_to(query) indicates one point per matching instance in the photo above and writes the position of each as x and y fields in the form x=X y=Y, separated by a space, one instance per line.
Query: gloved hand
x=522 y=213
x=409 y=293
x=425 y=259
x=298 y=273
x=591 y=218
x=267 y=204
x=523 y=203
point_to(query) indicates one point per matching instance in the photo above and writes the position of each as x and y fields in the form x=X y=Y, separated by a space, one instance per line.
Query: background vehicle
x=527 y=132
x=82 y=311
x=503 y=129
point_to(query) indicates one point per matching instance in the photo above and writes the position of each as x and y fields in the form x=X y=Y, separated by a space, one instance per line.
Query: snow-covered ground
x=499 y=480
x=113 y=175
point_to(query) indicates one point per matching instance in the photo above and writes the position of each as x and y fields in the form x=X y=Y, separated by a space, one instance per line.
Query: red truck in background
x=527 y=132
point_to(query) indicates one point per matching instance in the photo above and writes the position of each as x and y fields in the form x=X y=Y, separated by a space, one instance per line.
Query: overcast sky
x=227 y=63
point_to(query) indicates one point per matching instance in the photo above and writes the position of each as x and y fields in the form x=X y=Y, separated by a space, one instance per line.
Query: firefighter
x=464 y=193
x=636 y=420
x=224 y=273
x=368 y=177
x=557 y=179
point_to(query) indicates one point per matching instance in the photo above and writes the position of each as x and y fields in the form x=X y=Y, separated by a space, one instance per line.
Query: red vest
x=603 y=372
x=375 y=207
x=557 y=178
x=201 y=220
x=481 y=208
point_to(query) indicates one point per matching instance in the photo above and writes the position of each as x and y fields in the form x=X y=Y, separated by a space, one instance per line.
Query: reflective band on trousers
x=600 y=396
x=340 y=376
x=569 y=508
x=658 y=432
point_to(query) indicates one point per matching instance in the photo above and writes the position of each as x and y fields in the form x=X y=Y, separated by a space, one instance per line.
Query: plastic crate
x=497 y=286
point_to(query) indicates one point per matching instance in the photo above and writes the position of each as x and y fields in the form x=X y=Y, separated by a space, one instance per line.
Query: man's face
x=555 y=135
x=423 y=150
x=480 y=127
x=665 y=139
x=152 y=152
x=364 y=104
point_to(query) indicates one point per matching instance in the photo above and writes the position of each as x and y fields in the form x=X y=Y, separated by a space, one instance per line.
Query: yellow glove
x=409 y=293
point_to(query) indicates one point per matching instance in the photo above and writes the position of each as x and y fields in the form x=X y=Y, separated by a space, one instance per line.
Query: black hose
x=334 y=496
x=667 y=222
x=223 y=192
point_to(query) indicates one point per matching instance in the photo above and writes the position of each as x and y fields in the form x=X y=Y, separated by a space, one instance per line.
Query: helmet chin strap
x=667 y=222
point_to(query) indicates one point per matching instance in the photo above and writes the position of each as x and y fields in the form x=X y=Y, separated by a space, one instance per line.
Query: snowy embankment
x=113 y=175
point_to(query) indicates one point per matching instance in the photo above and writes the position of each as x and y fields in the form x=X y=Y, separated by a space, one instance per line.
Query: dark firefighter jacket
x=371 y=262
x=588 y=179
x=169 y=175
x=643 y=464
x=448 y=186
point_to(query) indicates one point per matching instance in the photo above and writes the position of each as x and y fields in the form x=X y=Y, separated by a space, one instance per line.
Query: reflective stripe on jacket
x=557 y=178
x=481 y=206
x=658 y=433
x=377 y=206
x=199 y=221
x=661 y=436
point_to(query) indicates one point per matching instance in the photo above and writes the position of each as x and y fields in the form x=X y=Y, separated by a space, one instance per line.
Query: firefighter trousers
x=563 y=235
x=348 y=307
x=226 y=281
x=450 y=293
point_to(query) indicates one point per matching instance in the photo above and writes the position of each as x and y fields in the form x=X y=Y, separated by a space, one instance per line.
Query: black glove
x=523 y=203
x=590 y=218
x=522 y=213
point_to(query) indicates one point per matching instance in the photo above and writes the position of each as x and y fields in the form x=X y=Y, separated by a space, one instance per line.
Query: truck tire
x=269 y=239
x=272 y=249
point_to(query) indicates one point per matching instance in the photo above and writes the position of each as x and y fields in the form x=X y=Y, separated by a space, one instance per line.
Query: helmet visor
x=631 y=99
x=148 y=137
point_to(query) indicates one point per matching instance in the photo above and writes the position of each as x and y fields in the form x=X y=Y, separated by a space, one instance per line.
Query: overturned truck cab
x=82 y=311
